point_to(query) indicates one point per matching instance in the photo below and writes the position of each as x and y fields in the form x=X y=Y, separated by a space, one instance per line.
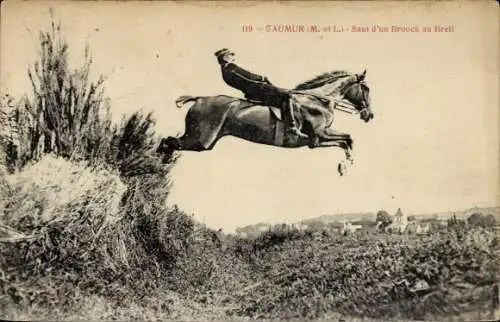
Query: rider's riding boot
x=290 y=119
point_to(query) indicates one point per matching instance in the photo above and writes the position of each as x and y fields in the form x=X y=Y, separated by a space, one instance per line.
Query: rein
x=338 y=104
x=345 y=107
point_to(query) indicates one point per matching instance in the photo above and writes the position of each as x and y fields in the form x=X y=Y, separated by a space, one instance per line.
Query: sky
x=432 y=146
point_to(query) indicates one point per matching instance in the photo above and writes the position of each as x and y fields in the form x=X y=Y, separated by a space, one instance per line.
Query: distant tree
x=412 y=218
x=475 y=219
x=244 y=230
x=480 y=220
x=384 y=217
x=452 y=221
x=490 y=220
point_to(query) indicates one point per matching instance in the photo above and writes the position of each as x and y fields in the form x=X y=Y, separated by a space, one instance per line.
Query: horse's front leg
x=327 y=131
x=331 y=133
x=342 y=165
x=336 y=143
x=322 y=134
x=314 y=142
x=328 y=135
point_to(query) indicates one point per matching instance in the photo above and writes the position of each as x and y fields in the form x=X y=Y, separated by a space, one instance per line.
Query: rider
x=256 y=87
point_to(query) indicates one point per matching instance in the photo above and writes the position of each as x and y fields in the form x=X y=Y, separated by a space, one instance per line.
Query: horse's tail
x=184 y=99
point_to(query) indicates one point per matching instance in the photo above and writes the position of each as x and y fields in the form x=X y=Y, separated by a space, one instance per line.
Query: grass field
x=67 y=253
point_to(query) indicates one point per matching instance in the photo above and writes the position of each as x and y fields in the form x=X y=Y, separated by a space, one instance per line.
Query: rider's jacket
x=254 y=86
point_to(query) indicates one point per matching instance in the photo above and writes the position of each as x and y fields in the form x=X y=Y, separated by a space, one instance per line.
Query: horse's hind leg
x=170 y=144
x=186 y=142
x=190 y=143
x=167 y=147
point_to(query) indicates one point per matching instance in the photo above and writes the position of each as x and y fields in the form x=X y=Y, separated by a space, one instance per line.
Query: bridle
x=339 y=104
x=348 y=107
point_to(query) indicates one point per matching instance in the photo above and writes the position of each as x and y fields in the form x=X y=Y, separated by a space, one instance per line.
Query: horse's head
x=350 y=87
x=358 y=93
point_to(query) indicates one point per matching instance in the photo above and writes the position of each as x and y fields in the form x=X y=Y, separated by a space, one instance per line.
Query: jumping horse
x=314 y=102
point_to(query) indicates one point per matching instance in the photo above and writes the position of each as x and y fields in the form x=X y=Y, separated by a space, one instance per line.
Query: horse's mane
x=322 y=79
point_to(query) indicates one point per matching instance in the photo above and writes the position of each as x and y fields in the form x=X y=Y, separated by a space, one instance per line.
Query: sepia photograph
x=253 y=160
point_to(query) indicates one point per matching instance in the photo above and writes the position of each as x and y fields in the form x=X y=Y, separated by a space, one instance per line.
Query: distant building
x=422 y=229
x=399 y=222
x=348 y=227
x=413 y=227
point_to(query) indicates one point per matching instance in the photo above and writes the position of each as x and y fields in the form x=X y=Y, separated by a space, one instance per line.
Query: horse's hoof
x=341 y=168
x=349 y=142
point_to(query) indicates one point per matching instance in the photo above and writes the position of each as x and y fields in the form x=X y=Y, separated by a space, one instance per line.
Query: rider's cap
x=222 y=51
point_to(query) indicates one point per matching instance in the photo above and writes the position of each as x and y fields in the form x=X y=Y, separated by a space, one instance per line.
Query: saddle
x=279 y=132
x=274 y=109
